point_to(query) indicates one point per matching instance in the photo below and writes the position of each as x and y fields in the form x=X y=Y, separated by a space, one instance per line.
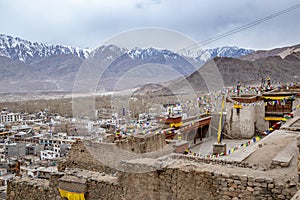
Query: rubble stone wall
x=107 y=157
x=80 y=157
x=184 y=182
x=97 y=190
x=33 y=189
x=142 y=144
x=195 y=184
x=40 y=189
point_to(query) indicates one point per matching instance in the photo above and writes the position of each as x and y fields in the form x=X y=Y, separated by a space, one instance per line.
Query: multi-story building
x=49 y=155
x=7 y=117
x=14 y=150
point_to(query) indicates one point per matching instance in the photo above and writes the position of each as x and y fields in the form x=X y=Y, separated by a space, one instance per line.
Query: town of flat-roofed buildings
x=68 y=149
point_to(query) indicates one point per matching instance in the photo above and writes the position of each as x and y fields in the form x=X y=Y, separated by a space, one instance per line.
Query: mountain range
x=224 y=71
x=37 y=67
x=27 y=66
x=28 y=52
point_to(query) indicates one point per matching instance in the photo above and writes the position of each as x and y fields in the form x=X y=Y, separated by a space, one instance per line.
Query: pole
x=220 y=122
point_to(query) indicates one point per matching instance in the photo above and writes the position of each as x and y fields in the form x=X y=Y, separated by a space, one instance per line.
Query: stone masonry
x=179 y=179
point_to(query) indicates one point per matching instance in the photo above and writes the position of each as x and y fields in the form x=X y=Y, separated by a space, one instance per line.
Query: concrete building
x=49 y=155
x=46 y=172
x=3 y=171
x=5 y=178
x=38 y=171
x=21 y=128
x=34 y=149
x=14 y=150
x=8 y=117
x=31 y=171
x=12 y=165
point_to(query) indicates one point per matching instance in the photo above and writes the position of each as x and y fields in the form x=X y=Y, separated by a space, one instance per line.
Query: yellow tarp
x=275 y=119
x=277 y=98
x=71 y=195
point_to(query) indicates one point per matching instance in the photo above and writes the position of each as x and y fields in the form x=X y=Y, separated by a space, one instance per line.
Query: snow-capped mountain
x=146 y=53
x=33 y=66
x=208 y=54
x=109 y=52
x=27 y=52
x=139 y=56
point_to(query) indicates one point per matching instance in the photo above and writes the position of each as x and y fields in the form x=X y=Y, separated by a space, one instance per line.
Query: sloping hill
x=229 y=71
x=282 y=52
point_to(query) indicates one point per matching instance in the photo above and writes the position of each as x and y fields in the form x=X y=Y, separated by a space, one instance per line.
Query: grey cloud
x=90 y=23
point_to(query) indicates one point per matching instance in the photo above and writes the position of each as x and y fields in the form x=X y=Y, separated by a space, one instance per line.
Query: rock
x=250 y=189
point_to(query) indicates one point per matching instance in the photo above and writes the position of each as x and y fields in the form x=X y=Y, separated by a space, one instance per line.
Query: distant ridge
x=38 y=67
x=234 y=70
x=282 y=52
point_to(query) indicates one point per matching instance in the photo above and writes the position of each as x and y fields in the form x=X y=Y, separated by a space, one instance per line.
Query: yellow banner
x=277 y=98
x=275 y=119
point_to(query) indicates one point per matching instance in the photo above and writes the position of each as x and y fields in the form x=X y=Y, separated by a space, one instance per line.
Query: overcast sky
x=91 y=23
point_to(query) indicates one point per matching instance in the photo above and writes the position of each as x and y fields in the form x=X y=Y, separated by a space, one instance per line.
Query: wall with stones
x=142 y=143
x=41 y=189
x=30 y=188
x=189 y=183
x=80 y=157
x=182 y=181
x=97 y=190
x=107 y=157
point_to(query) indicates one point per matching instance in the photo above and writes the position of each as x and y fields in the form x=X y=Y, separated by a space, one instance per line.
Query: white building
x=31 y=171
x=49 y=155
x=6 y=117
x=38 y=171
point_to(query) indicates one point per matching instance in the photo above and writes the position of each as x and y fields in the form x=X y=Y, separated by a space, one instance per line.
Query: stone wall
x=142 y=143
x=80 y=157
x=107 y=157
x=192 y=183
x=174 y=176
x=103 y=189
x=30 y=188
x=179 y=180
x=98 y=186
